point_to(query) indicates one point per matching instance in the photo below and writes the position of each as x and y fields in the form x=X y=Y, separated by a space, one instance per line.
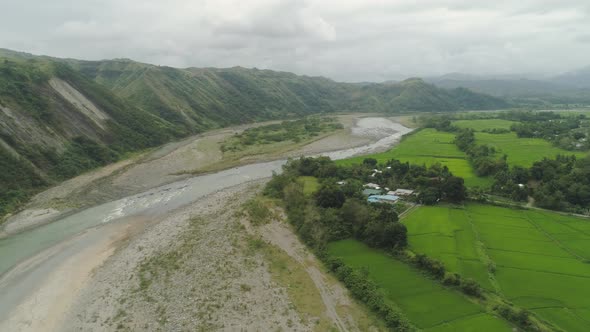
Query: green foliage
x=19 y=85
x=367 y=291
x=258 y=211
x=82 y=154
x=18 y=180
x=330 y=196
x=295 y=131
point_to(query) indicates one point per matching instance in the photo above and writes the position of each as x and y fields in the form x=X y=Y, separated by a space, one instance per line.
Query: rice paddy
x=536 y=259
x=428 y=147
x=485 y=124
x=522 y=151
x=425 y=303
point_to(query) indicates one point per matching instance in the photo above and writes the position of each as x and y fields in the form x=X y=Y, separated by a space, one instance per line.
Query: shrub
x=470 y=287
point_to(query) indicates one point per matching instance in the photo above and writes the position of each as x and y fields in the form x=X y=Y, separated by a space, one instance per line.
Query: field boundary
x=481 y=250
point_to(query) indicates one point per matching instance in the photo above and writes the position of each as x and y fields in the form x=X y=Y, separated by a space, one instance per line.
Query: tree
x=384 y=212
x=453 y=189
x=429 y=196
x=355 y=215
x=330 y=196
x=371 y=162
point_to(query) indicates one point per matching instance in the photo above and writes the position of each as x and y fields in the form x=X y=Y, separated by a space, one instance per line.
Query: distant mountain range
x=569 y=88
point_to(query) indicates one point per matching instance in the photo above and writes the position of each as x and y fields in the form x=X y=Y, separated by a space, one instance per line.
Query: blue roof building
x=383 y=199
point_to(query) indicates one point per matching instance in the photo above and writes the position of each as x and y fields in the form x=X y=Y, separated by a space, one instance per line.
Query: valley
x=106 y=219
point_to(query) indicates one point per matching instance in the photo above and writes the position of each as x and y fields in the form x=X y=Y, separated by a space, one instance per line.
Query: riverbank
x=170 y=163
x=76 y=249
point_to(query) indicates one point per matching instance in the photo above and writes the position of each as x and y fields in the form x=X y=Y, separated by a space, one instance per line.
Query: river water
x=161 y=200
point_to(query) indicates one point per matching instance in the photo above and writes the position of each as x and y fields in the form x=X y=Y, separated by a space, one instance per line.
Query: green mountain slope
x=209 y=97
x=55 y=123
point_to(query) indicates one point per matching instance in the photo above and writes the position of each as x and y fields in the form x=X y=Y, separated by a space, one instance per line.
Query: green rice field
x=522 y=151
x=425 y=303
x=484 y=124
x=428 y=147
x=536 y=259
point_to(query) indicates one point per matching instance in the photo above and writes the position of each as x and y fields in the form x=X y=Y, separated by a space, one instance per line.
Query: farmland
x=485 y=124
x=425 y=302
x=536 y=259
x=428 y=147
x=521 y=151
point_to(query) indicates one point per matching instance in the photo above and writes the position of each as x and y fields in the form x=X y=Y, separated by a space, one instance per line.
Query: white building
x=402 y=192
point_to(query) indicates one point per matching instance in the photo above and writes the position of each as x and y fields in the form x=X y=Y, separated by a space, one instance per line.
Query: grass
x=539 y=258
x=425 y=302
x=300 y=288
x=447 y=235
x=310 y=185
x=484 y=124
x=522 y=151
x=306 y=298
x=428 y=147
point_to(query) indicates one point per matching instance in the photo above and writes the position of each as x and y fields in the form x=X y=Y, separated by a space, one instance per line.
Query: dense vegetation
x=294 y=131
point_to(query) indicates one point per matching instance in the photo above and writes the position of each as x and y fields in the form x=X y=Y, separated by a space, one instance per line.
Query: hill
x=208 y=97
x=55 y=123
x=570 y=88
x=577 y=78
x=60 y=117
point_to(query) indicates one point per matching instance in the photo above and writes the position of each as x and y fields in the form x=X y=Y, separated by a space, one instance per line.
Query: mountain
x=60 y=117
x=560 y=90
x=208 y=97
x=578 y=78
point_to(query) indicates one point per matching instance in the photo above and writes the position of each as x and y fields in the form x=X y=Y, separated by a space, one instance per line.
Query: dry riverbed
x=201 y=266
x=169 y=163
x=205 y=267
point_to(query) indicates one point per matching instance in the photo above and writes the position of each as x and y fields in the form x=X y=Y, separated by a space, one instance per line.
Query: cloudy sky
x=349 y=40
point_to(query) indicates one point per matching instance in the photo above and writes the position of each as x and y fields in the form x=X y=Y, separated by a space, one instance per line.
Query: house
x=390 y=199
x=370 y=192
x=403 y=192
x=372 y=185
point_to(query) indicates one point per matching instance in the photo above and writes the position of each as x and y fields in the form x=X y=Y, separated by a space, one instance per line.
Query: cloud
x=352 y=40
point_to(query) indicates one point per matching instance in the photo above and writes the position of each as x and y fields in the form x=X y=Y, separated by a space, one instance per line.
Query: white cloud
x=350 y=40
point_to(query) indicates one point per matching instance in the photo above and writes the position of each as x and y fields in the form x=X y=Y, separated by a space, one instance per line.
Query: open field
x=522 y=151
x=429 y=146
x=310 y=184
x=484 y=124
x=425 y=302
x=537 y=259
x=446 y=234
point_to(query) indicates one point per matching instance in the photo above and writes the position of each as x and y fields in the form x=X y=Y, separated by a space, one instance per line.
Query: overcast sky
x=348 y=40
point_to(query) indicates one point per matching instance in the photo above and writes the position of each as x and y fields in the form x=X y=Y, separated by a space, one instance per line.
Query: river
x=58 y=240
